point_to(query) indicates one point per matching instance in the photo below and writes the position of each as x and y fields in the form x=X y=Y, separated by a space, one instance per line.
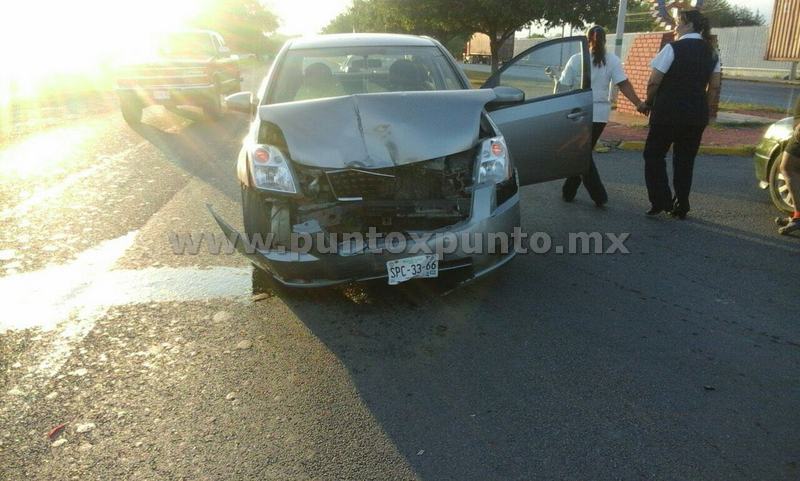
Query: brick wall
x=637 y=67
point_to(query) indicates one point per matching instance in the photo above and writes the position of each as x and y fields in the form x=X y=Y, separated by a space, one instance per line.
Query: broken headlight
x=271 y=170
x=493 y=163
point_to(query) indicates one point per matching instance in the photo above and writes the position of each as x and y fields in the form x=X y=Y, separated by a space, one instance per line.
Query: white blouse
x=602 y=77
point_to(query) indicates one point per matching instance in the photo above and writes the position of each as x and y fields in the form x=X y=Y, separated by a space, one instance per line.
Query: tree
x=243 y=23
x=449 y=19
x=397 y=16
x=368 y=16
x=638 y=19
x=721 y=14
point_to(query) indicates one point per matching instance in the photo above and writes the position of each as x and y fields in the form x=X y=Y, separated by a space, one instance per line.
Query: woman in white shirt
x=606 y=67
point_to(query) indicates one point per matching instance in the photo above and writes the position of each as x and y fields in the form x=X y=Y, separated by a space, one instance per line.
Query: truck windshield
x=306 y=74
x=186 y=44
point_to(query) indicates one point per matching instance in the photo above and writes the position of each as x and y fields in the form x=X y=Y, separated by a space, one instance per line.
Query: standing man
x=790 y=167
x=684 y=82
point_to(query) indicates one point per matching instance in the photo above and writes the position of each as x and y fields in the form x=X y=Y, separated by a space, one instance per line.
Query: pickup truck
x=187 y=68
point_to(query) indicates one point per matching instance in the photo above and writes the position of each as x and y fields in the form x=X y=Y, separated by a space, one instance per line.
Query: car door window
x=549 y=135
x=551 y=69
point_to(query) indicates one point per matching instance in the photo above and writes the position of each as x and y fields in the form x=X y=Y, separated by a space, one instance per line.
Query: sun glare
x=82 y=38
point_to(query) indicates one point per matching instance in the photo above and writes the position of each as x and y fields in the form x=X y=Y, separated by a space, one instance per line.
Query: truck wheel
x=778 y=188
x=131 y=111
x=213 y=108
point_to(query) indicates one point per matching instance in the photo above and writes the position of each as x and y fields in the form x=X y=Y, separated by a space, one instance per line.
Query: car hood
x=379 y=130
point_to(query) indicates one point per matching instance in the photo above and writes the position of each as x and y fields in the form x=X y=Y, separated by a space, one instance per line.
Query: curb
x=731 y=150
x=757 y=80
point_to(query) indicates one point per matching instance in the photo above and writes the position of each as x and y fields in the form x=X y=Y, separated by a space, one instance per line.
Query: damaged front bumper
x=313 y=269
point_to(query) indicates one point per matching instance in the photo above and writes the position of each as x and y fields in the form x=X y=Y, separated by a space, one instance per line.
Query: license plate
x=161 y=95
x=402 y=270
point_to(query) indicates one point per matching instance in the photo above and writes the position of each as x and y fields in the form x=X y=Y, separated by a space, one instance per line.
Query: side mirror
x=241 y=102
x=505 y=96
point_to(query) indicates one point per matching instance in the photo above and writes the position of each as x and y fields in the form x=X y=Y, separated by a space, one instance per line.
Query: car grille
x=154 y=77
x=354 y=184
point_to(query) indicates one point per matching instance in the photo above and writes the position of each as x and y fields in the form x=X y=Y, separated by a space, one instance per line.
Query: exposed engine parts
x=424 y=195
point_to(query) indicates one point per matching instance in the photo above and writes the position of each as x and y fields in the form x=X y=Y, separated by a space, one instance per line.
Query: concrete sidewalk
x=730 y=133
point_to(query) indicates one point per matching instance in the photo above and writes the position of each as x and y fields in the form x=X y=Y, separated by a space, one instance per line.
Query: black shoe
x=782 y=221
x=678 y=214
x=654 y=211
x=600 y=205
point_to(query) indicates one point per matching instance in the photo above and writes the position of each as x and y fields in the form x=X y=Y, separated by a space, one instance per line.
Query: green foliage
x=428 y=17
x=243 y=23
x=500 y=19
x=722 y=14
x=639 y=18
x=447 y=20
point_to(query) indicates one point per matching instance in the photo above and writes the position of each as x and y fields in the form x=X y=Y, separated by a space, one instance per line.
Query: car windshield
x=186 y=44
x=307 y=74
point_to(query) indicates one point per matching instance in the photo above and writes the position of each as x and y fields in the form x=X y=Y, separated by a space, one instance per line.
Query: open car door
x=549 y=135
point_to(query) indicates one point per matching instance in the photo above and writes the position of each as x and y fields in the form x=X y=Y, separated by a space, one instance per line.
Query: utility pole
x=623 y=12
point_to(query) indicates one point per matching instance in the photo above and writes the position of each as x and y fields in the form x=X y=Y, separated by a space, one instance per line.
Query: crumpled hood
x=379 y=130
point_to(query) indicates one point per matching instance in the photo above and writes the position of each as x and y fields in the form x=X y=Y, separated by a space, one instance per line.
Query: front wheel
x=256 y=223
x=778 y=188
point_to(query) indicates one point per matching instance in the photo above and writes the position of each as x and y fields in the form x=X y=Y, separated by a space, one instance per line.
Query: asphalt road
x=765 y=94
x=676 y=361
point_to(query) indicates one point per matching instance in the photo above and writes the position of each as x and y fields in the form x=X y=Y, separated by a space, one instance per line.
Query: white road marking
x=71 y=298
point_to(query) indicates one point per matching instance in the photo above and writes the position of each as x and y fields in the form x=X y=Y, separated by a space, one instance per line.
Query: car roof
x=360 y=40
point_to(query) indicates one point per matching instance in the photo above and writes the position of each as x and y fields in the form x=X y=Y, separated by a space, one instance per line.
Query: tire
x=256 y=222
x=778 y=189
x=263 y=218
x=131 y=111
x=255 y=213
x=213 y=108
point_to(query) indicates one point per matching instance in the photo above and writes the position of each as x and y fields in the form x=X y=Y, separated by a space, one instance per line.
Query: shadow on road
x=206 y=149
x=548 y=368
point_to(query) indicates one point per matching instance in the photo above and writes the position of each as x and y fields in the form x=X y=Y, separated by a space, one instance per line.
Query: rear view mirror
x=241 y=102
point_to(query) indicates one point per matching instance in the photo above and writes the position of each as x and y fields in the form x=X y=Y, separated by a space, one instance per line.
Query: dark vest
x=681 y=97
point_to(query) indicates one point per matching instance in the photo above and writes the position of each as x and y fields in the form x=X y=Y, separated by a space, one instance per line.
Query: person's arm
x=569 y=76
x=621 y=80
x=627 y=90
x=652 y=86
x=713 y=89
x=661 y=65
